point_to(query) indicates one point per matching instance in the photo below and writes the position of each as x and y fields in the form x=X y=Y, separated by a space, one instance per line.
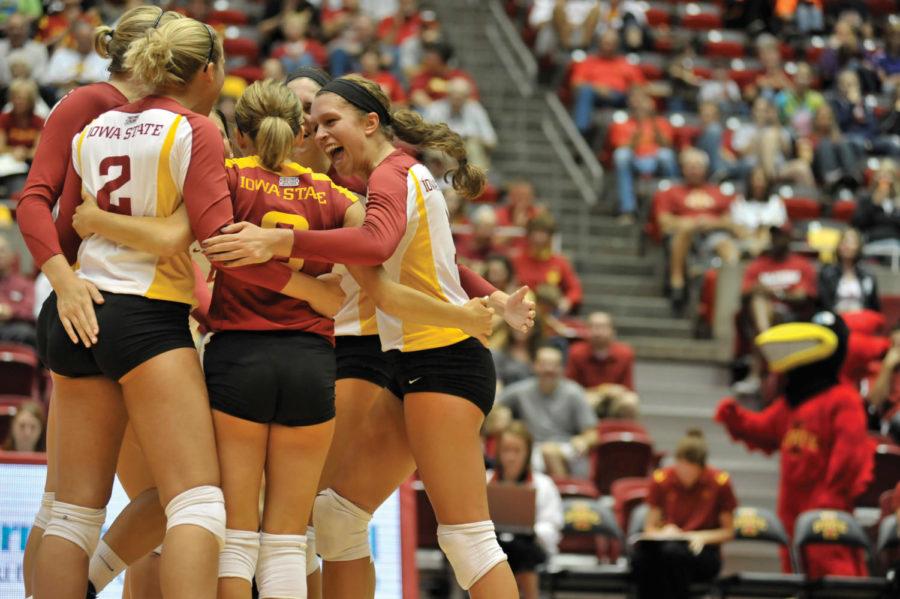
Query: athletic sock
x=105 y=565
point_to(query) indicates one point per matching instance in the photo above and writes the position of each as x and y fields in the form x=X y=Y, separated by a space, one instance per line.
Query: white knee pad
x=44 y=513
x=239 y=555
x=471 y=549
x=281 y=571
x=201 y=506
x=80 y=525
x=343 y=528
x=104 y=566
x=312 y=559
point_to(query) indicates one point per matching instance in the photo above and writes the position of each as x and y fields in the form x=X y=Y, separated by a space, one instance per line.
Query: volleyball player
x=446 y=379
x=54 y=246
x=143 y=158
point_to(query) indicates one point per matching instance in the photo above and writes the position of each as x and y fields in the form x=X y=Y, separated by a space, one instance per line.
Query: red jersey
x=683 y=200
x=552 y=269
x=294 y=197
x=436 y=85
x=48 y=173
x=17 y=292
x=696 y=508
x=18 y=136
x=615 y=73
x=792 y=273
x=589 y=369
x=620 y=135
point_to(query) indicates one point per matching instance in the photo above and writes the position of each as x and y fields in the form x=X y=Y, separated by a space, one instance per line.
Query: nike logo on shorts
x=414 y=381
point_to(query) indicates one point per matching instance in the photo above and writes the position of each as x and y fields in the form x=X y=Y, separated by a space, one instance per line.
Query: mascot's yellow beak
x=795 y=344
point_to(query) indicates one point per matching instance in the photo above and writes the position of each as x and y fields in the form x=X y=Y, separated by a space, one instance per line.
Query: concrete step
x=618 y=285
x=662 y=327
x=704 y=374
x=626 y=265
x=632 y=306
x=682 y=350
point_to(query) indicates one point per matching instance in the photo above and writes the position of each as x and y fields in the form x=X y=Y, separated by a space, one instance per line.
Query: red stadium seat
x=843 y=210
x=248 y=73
x=700 y=16
x=241 y=47
x=651 y=65
x=19 y=367
x=575 y=487
x=882 y=8
x=227 y=17
x=628 y=493
x=7 y=412
x=886 y=475
x=744 y=72
x=621 y=455
x=608 y=426
x=724 y=44
x=658 y=13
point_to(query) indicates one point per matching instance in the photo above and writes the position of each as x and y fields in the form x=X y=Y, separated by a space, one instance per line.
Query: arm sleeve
x=727 y=499
x=208 y=201
x=473 y=284
x=758 y=430
x=372 y=243
x=851 y=461
x=655 y=494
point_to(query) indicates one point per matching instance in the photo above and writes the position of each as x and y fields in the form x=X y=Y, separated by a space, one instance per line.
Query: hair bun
x=694 y=432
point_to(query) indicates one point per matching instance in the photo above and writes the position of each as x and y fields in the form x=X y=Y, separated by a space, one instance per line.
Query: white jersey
x=357 y=316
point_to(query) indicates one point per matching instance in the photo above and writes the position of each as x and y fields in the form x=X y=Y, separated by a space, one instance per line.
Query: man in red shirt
x=520 y=205
x=476 y=247
x=602 y=365
x=643 y=144
x=431 y=83
x=602 y=80
x=398 y=28
x=16 y=300
x=538 y=265
x=692 y=209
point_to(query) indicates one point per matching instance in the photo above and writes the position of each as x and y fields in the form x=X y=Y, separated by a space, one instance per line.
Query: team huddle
x=328 y=385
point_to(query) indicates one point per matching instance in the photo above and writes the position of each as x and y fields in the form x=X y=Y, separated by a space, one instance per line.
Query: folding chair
x=621 y=455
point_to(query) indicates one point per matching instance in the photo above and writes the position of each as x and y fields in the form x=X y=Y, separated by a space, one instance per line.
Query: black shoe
x=91 y=591
x=679 y=298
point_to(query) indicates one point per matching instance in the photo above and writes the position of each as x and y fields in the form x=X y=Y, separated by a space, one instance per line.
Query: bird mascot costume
x=818 y=425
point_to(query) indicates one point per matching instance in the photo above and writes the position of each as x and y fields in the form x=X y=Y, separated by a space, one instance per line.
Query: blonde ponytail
x=114 y=43
x=168 y=57
x=409 y=126
x=271 y=115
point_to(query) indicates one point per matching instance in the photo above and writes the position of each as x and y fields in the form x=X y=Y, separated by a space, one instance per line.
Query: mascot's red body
x=819 y=427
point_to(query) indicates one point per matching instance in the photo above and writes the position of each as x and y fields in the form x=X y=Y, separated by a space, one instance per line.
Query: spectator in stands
x=855 y=118
x=467 y=117
x=884 y=392
x=602 y=79
x=765 y=142
x=16 y=300
x=877 y=214
x=690 y=502
x=70 y=67
x=528 y=551
x=714 y=140
x=753 y=16
x=686 y=84
x=643 y=145
x=372 y=69
x=431 y=83
x=476 y=247
x=773 y=79
x=835 y=158
x=691 y=211
x=514 y=353
x=538 y=264
x=412 y=50
x=520 y=206
x=845 y=51
x=556 y=412
x=723 y=91
x=847 y=285
x=889 y=125
x=806 y=16
x=498 y=271
x=273 y=69
x=887 y=60
x=403 y=25
x=58 y=29
x=601 y=364
x=26 y=431
x=344 y=50
x=755 y=211
x=797 y=104
x=20 y=128
x=298 y=49
x=18 y=40
x=563 y=25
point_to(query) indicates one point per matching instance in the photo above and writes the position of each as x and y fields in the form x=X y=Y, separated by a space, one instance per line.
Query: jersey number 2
x=285 y=220
x=122 y=205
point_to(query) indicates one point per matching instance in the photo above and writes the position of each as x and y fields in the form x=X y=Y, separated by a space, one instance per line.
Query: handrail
x=514 y=41
x=526 y=88
x=587 y=156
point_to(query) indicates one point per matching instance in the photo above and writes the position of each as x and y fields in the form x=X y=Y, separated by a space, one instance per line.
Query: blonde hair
x=25 y=86
x=168 y=57
x=114 y=43
x=406 y=125
x=271 y=115
x=692 y=448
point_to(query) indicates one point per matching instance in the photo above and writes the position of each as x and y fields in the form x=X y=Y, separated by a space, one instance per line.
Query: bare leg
x=528 y=585
x=681 y=245
x=444 y=437
x=90 y=424
x=554 y=460
x=241 y=445
x=37 y=533
x=381 y=462
x=143 y=578
x=761 y=310
x=167 y=395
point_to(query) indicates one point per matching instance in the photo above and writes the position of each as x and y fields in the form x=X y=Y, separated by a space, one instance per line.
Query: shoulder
x=719 y=478
x=572 y=389
x=661 y=476
x=579 y=350
x=84 y=103
x=320 y=180
x=622 y=350
x=543 y=483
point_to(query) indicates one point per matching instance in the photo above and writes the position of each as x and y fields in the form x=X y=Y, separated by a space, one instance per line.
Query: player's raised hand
x=519 y=310
x=480 y=319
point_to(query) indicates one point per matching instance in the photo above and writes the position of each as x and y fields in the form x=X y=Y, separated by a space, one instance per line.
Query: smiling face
x=342 y=133
x=305 y=89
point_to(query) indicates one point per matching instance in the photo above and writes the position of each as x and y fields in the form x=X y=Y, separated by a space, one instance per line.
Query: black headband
x=212 y=46
x=161 y=13
x=317 y=75
x=359 y=96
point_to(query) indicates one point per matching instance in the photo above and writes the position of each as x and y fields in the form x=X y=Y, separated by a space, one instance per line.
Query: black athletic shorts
x=271 y=377
x=464 y=369
x=133 y=329
x=360 y=357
